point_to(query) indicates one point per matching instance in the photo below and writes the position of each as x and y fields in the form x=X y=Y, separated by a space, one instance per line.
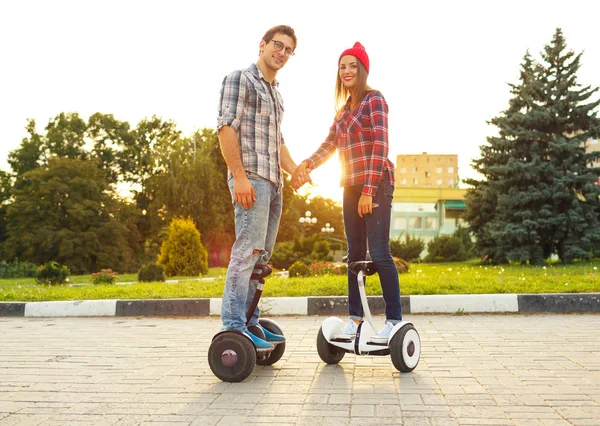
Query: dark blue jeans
x=372 y=231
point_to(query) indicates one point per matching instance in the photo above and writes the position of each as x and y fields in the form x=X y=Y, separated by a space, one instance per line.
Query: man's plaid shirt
x=361 y=138
x=253 y=108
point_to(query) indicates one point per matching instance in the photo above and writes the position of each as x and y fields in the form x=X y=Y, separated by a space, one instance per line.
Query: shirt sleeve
x=378 y=110
x=325 y=151
x=231 y=105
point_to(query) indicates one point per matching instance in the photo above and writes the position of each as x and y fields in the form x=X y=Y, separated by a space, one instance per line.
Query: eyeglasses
x=279 y=45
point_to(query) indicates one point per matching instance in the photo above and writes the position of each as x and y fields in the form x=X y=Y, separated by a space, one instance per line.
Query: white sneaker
x=384 y=334
x=348 y=332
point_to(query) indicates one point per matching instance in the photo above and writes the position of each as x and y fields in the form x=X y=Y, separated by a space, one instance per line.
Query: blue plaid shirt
x=253 y=108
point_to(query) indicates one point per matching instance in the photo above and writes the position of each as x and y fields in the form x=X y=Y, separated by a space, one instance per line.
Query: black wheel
x=231 y=356
x=328 y=352
x=277 y=353
x=405 y=349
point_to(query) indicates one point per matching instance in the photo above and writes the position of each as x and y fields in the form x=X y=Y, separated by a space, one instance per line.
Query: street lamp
x=327 y=229
x=307 y=219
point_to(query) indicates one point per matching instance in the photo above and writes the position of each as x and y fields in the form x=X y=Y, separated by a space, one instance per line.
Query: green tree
x=30 y=155
x=182 y=252
x=6 y=191
x=538 y=196
x=142 y=158
x=65 y=213
x=65 y=136
x=325 y=210
x=192 y=184
x=109 y=137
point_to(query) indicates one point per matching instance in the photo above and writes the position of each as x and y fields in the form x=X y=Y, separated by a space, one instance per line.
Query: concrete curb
x=333 y=305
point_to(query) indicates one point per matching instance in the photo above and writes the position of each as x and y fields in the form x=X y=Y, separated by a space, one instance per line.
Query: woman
x=360 y=135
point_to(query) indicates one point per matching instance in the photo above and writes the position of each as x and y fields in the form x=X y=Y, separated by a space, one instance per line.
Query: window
x=427 y=174
x=403 y=181
x=415 y=223
x=450 y=181
x=402 y=169
x=430 y=223
x=450 y=169
x=439 y=181
x=399 y=223
x=414 y=169
x=438 y=170
x=415 y=181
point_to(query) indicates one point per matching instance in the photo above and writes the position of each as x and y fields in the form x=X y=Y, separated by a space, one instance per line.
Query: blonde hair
x=342 y=94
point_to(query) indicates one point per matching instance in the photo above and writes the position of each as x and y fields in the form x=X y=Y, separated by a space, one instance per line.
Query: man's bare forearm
x=230 y=148
x=287 y=164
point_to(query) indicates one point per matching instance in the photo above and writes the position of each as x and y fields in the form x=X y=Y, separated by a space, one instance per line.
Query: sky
x=443 y=66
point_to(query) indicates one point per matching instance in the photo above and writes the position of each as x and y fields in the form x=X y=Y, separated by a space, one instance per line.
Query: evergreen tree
x=538 y=196
x=182 y=252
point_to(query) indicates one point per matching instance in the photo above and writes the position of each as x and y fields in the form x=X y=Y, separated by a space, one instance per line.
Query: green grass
x=446 y=278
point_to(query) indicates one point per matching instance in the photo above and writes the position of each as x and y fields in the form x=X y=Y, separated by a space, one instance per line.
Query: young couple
x=249 y=128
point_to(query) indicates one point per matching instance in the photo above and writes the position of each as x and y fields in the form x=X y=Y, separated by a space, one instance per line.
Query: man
x=249 y=127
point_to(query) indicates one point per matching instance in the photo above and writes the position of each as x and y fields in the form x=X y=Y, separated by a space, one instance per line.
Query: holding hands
x=300 y=176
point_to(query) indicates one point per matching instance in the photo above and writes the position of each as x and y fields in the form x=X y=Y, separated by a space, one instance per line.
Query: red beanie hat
x=359 y=51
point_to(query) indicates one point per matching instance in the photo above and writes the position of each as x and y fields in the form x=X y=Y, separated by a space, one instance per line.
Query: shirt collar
x=258 y=74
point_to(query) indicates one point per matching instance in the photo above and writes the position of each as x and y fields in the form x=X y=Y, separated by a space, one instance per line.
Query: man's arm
x=243 y=191
x=287 y=163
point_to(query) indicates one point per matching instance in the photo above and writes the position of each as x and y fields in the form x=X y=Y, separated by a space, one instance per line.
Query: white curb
x=78 y=308
x=283 y=306
x=453 y=303
x=271 y=306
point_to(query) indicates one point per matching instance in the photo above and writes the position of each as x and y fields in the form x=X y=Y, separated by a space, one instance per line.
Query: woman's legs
x=374 y=228
x=378 y=235
x=356 y=236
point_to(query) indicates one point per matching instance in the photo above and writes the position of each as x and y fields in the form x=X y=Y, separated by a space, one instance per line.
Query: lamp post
x=327 y=229
x=307 y=219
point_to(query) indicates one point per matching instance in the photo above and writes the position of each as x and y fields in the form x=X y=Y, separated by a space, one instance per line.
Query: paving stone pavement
x=475 y=369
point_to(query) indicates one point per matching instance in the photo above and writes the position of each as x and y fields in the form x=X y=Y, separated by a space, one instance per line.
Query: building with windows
x=427 y=201
x=593 y=145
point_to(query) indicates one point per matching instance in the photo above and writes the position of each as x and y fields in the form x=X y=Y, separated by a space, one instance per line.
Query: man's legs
x=274 y=217
x=251 y=227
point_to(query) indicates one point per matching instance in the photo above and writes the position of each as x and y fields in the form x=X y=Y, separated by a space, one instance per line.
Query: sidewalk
x=338 y=305
x=518 y=370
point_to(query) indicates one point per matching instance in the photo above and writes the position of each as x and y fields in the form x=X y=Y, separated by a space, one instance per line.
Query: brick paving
x=475 y=370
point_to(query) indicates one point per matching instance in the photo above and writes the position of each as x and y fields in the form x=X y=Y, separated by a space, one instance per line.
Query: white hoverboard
x=404 y=343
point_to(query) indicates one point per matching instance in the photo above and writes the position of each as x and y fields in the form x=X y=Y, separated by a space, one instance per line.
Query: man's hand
x=300 y=176
x=243 y=192
x=365 y=205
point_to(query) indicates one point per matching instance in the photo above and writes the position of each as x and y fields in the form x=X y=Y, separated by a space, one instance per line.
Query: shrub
x=52 y=273
x=16 y=269
x=105 y=276
x=446 y=248
x=299 y=269
x=182 y=252
x=328 y=268
x=401 y=265
x=151 y=272
x=409 y=249
x=283 y=256
x=321 y=250
x=465 y=236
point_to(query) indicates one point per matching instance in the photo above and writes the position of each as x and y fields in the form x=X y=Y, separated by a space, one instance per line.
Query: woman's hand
x=365 y=205
x=300 y=176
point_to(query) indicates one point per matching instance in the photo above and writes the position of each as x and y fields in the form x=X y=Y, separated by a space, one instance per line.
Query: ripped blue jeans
x=255 y=234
